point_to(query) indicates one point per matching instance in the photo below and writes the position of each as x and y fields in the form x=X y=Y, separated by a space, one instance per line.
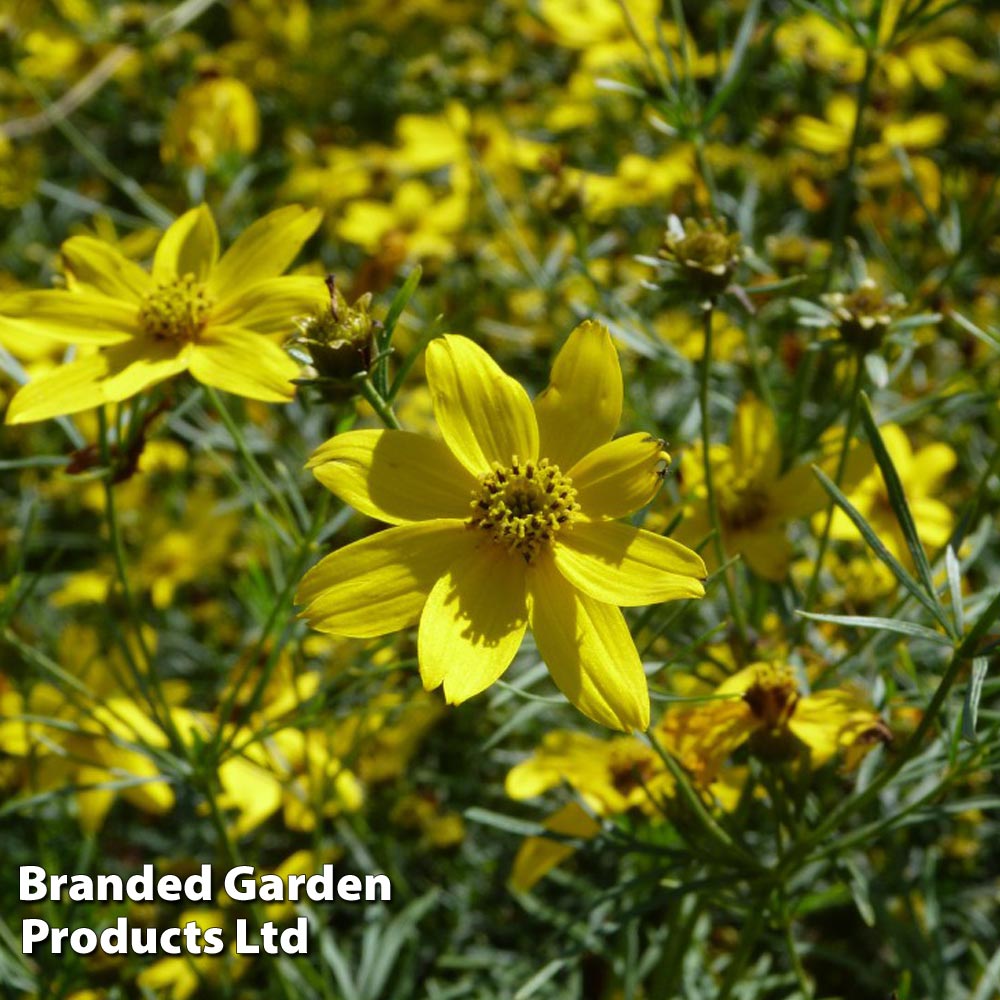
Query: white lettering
x=32 y=883
x=241 y=892
x=33 y=930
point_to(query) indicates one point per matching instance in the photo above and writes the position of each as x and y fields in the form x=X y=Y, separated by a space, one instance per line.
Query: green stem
x=281 y=604
x=710 y=496
x=146 y=676
x=845 y=449
x=637 y=36
x=751 y=932
x=233 y=857
x=250 y=461
x=845 y=192
x=805 y=987
x=384 y=410
x=710 y=828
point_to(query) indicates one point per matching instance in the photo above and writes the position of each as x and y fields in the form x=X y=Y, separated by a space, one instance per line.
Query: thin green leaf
x=540 y=978
x=380 y=371
x=398 y=304
x=883 y=554
x=735 y=69
x=897 y=497
x=954 y=571
x=983 y=623
x=884 y=624
x=509 y=824
x=988 y=337
x=766 y=287
x=974 y=691
x=858 y=884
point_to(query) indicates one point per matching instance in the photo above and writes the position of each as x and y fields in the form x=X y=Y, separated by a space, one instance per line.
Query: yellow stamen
x=524 y=506
x=175 y=310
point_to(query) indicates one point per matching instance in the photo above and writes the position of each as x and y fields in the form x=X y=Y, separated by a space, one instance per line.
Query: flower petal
x=537 y=856
x=622 y=565
x=582 y=406
x=68 y=389
x=271 y=306
x=588 y=649
x=379 y=584
x=73 y=317
x=473 y=622
x=263 y=250
x=103 y=268
x=485 y=416
x=394 y=476
x=619 y=477
x=756 y=449
x=243 y=363
x=764 y=548
x=189 y=246
x=798 y=493
x=138 y=364
x=831 y=720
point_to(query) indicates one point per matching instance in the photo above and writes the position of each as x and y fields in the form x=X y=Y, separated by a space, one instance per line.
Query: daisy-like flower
x=195 y=312
x=766 y=708
x=756 y=500
x=509 y=521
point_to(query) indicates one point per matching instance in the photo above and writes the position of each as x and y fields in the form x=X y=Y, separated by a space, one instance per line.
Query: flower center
x=175 y=310
x=742 y=502
x=773 y=696
x=630 y=768
x=524 y=506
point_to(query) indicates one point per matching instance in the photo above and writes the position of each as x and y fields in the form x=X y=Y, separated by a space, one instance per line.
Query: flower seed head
x=705 y=252
x=864 y=315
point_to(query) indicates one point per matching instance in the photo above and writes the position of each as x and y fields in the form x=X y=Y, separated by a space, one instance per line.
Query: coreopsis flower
x=509 y=521
x=922 y=473
x=611 y=776
x=214 y=116
x=767 y=709
x=755 y=499
x=195 y=312
x=88 y=743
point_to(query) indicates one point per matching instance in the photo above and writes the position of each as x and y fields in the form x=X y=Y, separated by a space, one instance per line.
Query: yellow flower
x=507 y=521
x=214 y=116
x=766 y=708
x=101 y=744
x=921 y=474
x=755 y=499
x=195 y=312
x=611 y=776
x=537 y=856
x=424 y=223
